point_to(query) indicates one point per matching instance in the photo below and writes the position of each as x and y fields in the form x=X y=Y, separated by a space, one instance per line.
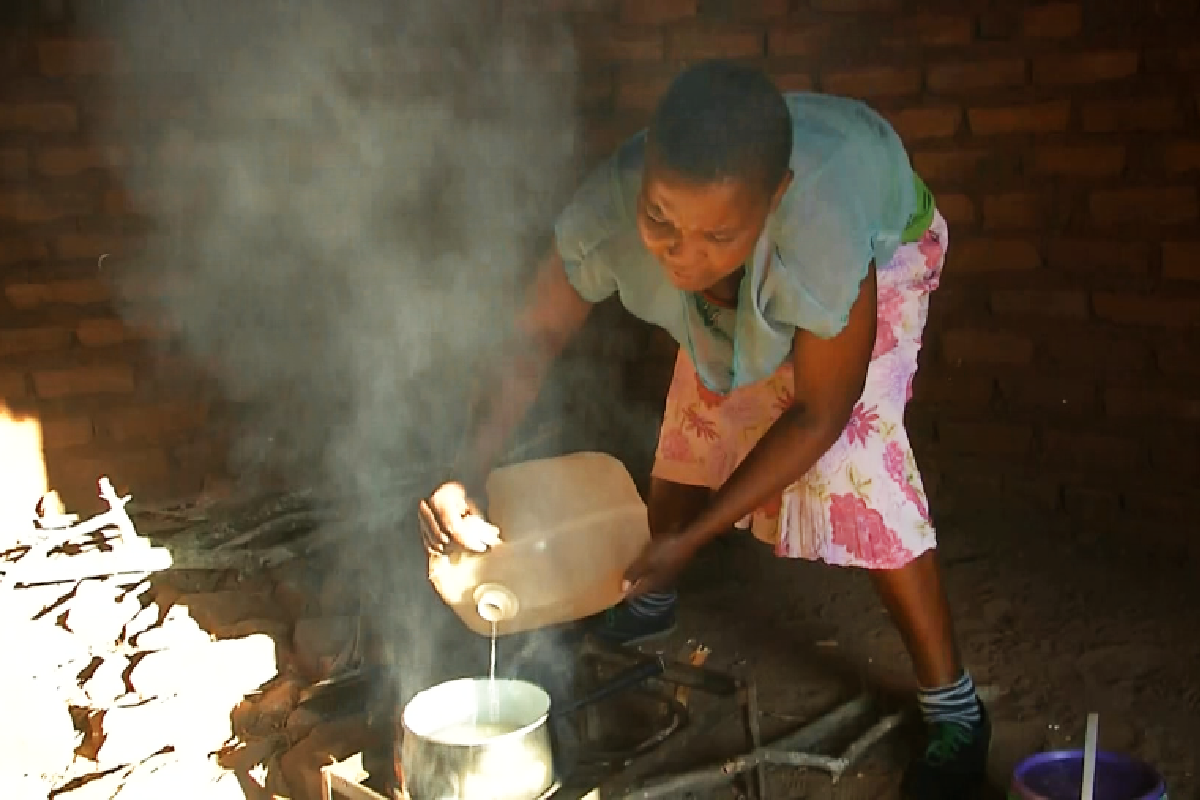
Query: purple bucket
x=1058 y=775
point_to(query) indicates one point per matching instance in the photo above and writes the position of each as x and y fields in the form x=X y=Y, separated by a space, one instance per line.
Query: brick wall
x=106 y=401
x=1061 y=140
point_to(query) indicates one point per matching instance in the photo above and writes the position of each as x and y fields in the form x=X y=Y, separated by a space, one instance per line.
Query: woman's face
x=700 y=233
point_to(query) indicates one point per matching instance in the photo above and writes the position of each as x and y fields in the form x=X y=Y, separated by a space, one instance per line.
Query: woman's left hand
x=659 y=564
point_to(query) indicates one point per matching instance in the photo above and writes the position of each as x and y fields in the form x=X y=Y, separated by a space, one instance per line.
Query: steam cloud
x=347 y=194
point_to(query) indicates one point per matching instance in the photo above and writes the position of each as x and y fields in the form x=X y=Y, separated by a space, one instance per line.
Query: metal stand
x=748 y=770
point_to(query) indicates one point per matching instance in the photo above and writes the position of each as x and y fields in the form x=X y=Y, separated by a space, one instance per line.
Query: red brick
x=1052 y=21
x=1098 y=255
x=1094 y=353
x=697 y=42
x=1071 y=69
x=925 y=123
x=1093 y=450
x=1176 y=355
x=60 y=162
x=595 y=89
x=1066 y=303
x=1051 y=393
x=985 y=438
x=1132 y=115
x=1046 y=117
x=800 y=40
x=930 y=30
x=82 y=291
x=59 y=58
x=794 y=82
x=993 y=255
x=59 y=432
x=14 y=163
x=987 y=347
x=16 y=251
x=620 y=43
x=872 y=81
x=952 y=389
x=640 y=90
x=971 y=76
x=759 y=10
x=33 y=207
x=102 y=332
x=537 y=8
x=1079 y=160
x=12 y=386
x=1176 y=453
x=638 y=12
x=90 y=247
x=1131 y=309
x=958 y=209
x=38 y=118
x=152 y=423
x=1144 y=207
x=84 y=380
x=143 y=473
x=964 y=165
x=1181 y=157
x=1181 y=261
x=854 y=6
x=1015 y=210
x=20 y=341
x=1152 y=403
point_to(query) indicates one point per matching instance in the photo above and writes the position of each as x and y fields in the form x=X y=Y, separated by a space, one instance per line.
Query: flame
x=23 y=479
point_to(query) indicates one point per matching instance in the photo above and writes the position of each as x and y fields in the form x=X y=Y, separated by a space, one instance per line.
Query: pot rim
x=523 y=730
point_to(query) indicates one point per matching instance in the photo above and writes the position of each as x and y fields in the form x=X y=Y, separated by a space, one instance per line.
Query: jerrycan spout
x=495 y=603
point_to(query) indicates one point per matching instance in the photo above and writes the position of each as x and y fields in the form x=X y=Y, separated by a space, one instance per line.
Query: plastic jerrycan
x=570 y=526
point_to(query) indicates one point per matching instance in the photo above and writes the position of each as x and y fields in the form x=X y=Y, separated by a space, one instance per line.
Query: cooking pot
x=479 y=739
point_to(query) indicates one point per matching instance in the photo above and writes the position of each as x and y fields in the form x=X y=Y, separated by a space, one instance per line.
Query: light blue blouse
x=851 y=199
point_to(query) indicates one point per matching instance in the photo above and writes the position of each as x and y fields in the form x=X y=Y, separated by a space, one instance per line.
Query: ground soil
x=1059 y=625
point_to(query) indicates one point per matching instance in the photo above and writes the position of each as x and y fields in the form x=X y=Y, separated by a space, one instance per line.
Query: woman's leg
x=649 y=616
x=916 y=601
x=955 y=759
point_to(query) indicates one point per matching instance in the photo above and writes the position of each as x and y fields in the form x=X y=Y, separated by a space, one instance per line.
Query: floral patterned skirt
x=862 y=504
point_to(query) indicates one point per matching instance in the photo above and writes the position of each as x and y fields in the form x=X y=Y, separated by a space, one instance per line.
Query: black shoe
x=620 y=626
x=954 y=764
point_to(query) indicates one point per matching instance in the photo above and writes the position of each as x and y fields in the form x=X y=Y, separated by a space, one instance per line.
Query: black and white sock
x=653 y=604
x=956 y=703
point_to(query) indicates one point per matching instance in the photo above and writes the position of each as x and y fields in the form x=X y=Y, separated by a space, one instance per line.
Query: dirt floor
x=1058 y=625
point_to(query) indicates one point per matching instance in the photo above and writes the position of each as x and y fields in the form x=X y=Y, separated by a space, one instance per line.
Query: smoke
x=345 y=196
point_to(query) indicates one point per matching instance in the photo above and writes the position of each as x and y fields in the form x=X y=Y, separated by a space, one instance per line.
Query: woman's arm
x=829 y=378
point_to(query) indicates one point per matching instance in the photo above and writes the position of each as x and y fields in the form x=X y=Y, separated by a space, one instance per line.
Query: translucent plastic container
x=571 y=525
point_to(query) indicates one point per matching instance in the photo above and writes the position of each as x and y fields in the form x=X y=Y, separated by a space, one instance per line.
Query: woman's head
x=717 y=156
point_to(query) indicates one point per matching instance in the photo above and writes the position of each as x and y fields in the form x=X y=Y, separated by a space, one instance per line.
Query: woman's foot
x=954 y=764
x=638 y=620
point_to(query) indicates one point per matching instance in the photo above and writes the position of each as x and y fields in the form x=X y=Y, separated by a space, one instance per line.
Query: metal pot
x=477 y=739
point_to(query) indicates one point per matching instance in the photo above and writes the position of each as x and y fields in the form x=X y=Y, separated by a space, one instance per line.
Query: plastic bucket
x=1058 y=775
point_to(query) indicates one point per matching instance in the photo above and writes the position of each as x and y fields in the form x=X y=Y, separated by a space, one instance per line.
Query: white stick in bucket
x=1091 y=738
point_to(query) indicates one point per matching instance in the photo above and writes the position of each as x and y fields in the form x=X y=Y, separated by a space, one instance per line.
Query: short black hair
x=721 y=120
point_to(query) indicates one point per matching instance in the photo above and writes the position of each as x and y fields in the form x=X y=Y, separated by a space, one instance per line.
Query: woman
x=788 y=247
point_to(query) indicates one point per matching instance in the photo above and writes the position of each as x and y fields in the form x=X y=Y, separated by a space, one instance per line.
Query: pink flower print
x=889 y=314
x=932 y=249
x=861 y=531
x=703 y=427
x=908 y=391
x=861 y=424
x=675 y=446
x=894 y=462
x=707 y=396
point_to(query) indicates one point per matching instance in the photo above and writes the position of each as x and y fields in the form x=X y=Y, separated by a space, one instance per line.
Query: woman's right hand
x=450 y=516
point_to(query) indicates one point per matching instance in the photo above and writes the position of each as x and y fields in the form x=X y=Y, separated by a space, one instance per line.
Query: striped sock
x=956 y=703
x=653 y=604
